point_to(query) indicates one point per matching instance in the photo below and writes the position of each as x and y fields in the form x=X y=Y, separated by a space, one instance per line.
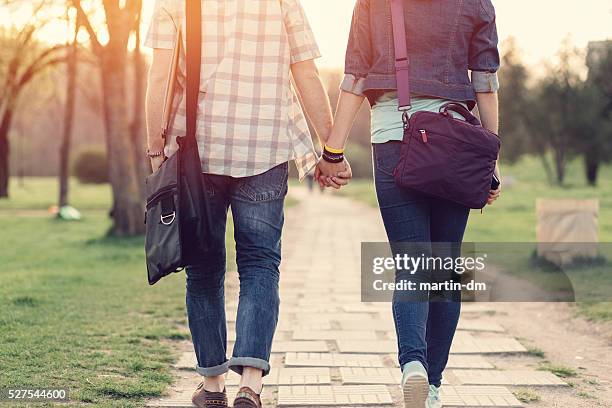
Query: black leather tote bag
x=177 y=210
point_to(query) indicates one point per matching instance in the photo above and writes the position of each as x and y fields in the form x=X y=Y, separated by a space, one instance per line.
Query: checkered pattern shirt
x=249 y=117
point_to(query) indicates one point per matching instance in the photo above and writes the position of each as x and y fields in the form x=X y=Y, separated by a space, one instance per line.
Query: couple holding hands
x=258 y=79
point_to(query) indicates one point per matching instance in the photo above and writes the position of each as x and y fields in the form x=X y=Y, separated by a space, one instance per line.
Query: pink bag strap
x=402 y=61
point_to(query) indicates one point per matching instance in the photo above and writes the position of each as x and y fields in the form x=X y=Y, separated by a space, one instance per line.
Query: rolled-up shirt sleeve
x=164 y=24
x=484 y=60
x=301 y=38
x=358 y=51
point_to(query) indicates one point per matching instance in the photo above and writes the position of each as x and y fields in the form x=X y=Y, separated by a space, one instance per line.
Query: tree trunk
x=128 y=207
x=559 y=154
x=64 y=159
x=591 y=164
x=5 y=126
x=143 y=166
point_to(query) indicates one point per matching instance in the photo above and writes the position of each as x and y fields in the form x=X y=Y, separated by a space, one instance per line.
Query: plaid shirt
x=250 y=119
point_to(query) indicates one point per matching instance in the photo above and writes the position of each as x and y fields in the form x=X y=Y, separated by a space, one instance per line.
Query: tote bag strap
x=193 y=54
x=402 y=61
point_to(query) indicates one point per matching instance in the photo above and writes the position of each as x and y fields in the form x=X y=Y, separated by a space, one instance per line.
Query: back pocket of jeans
x=267 y=186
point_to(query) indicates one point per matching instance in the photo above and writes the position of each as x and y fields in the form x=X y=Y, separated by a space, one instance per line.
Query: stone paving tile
x=477 y=308
x=187 y=361
x=319 y=396
x=340 y=317
x=333 y=360
x=459 y=361
x=378 y=325
x=307 y=346
x=367 y=308
x=290 y=376
x=468 y=361
x=369 y=347
x=467 y=344
x=293 y=325
x=333 y=335
x=480 y=325
x=466 y=396
x=359 y=375
x=463 y=343
x=511 y=377
x=371 y=376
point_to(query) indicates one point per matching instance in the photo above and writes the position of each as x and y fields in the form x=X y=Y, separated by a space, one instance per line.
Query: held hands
x=335 y=175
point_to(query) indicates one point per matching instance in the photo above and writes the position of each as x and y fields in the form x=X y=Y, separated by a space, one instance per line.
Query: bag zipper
x=160 y=193
x=424 y=135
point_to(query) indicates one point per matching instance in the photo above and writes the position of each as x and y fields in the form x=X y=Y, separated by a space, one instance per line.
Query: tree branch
x=97 y=47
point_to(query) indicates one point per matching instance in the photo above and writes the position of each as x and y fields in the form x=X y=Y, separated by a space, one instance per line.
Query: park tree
x=23 y=58
x=554 y=121
x=122 y=19
x=513 y=96
x=596 y=144
x=69 y=107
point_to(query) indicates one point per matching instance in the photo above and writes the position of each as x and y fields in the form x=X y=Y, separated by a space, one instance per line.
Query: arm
x=348 y=106
x=314 y=97
x=156 y=87
x=488 y=108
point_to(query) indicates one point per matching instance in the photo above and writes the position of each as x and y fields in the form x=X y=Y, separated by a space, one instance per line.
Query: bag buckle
x=168 y=219
x=406 y=120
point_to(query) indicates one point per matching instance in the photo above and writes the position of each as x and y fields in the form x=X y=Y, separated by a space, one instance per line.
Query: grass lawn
x=75 y=307
x=513 y=218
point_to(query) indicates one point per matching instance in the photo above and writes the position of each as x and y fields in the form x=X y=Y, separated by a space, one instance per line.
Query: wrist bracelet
x=332 y=158
x=332 y=150
x=154 y=154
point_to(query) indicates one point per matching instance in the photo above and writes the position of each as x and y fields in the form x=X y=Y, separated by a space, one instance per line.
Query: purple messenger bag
x=441 y=156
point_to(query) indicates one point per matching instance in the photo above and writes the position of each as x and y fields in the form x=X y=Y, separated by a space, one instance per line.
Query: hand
x=494 y=194
x=333 y=175
x=156 y=162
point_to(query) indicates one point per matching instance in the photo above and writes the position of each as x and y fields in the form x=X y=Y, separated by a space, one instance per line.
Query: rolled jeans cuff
x=484 y=82
x=213 y=371
x=237 y=364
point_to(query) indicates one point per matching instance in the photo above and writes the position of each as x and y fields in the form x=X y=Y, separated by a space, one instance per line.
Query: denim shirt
x=446 y=40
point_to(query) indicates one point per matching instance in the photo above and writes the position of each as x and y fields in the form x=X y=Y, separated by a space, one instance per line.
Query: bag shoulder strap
x=193 y=54
x=402 y=61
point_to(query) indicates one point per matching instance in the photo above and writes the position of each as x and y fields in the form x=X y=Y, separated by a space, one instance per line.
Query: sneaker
x=415 y=385
x=206 y=399
x=434 y=401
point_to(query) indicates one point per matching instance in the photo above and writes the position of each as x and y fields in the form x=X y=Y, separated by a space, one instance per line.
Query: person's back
x=247 y=50
x=446 y=40
x=250 y=125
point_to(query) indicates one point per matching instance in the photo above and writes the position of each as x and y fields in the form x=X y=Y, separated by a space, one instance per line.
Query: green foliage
x=91 y=167
x=526 y=395
x=562 y=115
x=513 y=94
x=558 y=370
x=76 y=305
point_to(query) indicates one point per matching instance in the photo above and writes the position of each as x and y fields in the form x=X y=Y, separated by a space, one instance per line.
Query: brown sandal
x=247 y=398
x=207 y=399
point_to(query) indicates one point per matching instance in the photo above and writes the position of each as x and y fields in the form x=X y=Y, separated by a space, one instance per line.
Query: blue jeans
x=424 y=330
x=257 y=210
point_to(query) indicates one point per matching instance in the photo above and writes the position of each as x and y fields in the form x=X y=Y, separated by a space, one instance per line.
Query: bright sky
x=539 y=26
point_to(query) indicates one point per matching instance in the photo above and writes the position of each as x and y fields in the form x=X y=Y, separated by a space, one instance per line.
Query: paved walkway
x=332 y=350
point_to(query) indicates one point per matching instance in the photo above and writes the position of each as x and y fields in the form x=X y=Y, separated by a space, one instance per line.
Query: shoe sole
x=416 y=391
